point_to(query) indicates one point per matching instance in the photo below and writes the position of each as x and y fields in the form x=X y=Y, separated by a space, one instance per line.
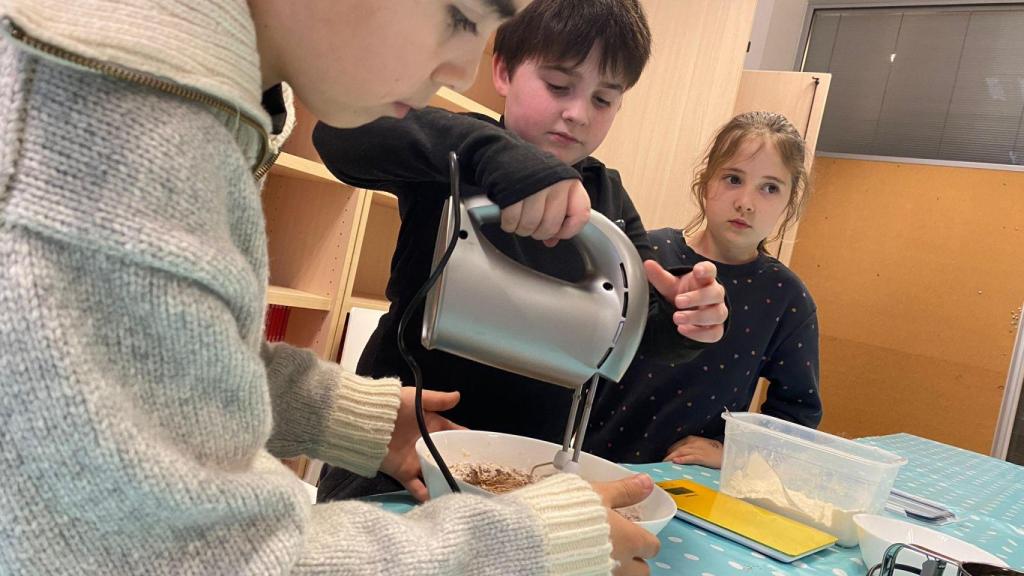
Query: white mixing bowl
x=480 y=447
x=876 y=533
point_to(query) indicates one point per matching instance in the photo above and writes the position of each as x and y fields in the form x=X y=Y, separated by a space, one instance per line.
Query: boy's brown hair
x=565 y=31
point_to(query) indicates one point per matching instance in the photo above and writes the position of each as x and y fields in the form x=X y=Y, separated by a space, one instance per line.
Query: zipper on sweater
x=266 y=156
x=261 y=170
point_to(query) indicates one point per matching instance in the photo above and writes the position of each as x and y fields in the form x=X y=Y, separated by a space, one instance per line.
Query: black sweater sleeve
x=792 y=370
x=390 y=154
x=632 y=225
x=661 y=341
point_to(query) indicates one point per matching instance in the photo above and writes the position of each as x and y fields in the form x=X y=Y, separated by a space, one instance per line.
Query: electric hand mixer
x=494 y=310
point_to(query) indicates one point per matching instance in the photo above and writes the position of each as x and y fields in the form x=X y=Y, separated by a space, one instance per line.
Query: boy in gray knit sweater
x=142 y=415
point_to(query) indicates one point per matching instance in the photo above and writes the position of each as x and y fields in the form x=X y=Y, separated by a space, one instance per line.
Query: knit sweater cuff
x=358 y=427
x=576 y=524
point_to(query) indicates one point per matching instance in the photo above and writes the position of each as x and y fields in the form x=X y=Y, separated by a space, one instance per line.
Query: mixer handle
x=592 y=242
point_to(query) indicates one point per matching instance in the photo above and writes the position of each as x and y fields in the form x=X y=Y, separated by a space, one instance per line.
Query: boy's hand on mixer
x=555 y=213
x=698 y=297
x=631 y=544
x=401 y=462
x=696 y=450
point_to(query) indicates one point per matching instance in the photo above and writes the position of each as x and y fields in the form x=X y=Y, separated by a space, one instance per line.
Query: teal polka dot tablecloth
x=987 y=495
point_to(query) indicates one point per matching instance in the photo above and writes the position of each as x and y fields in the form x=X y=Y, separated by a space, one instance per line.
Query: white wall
x=759 y=34
x=775 y=38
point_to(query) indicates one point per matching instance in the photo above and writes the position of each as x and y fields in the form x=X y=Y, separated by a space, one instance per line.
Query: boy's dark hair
x=551 y=31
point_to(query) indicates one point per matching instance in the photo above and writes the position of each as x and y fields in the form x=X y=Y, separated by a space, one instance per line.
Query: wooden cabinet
x=915 y=269
x=800 y=97
x=686 y=93
x=329 y=244
x=310 y=218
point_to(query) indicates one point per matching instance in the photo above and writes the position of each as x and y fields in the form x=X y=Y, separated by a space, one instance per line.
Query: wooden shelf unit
x=369 y=301
x=330 y=244
x=292 y=166
x=292 y=298
x=450 y=100
x=310 y=228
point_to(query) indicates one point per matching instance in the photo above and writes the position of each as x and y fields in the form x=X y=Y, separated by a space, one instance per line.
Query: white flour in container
x=758 y=484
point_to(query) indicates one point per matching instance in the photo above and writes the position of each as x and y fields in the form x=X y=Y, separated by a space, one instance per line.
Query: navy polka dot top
x=772 y=333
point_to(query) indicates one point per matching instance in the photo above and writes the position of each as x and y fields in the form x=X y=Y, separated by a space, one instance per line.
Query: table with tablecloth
x=987 y=495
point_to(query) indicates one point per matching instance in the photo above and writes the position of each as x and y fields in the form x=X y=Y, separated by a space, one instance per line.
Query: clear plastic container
x=810 y=476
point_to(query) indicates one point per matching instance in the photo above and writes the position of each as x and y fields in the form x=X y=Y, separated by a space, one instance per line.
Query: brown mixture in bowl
x=491 y=477
x=500 y=479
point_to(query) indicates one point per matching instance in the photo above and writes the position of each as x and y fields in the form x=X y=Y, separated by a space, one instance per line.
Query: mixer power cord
x=417 y=300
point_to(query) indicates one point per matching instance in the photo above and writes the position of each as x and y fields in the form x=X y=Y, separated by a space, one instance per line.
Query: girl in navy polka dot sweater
x=752 y=176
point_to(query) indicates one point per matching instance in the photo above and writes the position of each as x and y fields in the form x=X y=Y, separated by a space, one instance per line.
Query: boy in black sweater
x=563 y=67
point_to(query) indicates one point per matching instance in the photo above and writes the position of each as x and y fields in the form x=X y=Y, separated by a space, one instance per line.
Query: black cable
x=810 y=111
x=877 y=569
x=453 y=167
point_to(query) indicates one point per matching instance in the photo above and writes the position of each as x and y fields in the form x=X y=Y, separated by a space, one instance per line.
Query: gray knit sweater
x=140 y=416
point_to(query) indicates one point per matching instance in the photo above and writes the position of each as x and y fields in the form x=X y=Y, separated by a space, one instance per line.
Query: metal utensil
x=935 y=564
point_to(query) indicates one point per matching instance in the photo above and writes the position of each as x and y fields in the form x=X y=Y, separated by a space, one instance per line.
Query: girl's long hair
x=771 y=128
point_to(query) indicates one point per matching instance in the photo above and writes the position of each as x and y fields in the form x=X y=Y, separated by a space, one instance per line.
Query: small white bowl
x=876 y=533
x=481 y=447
